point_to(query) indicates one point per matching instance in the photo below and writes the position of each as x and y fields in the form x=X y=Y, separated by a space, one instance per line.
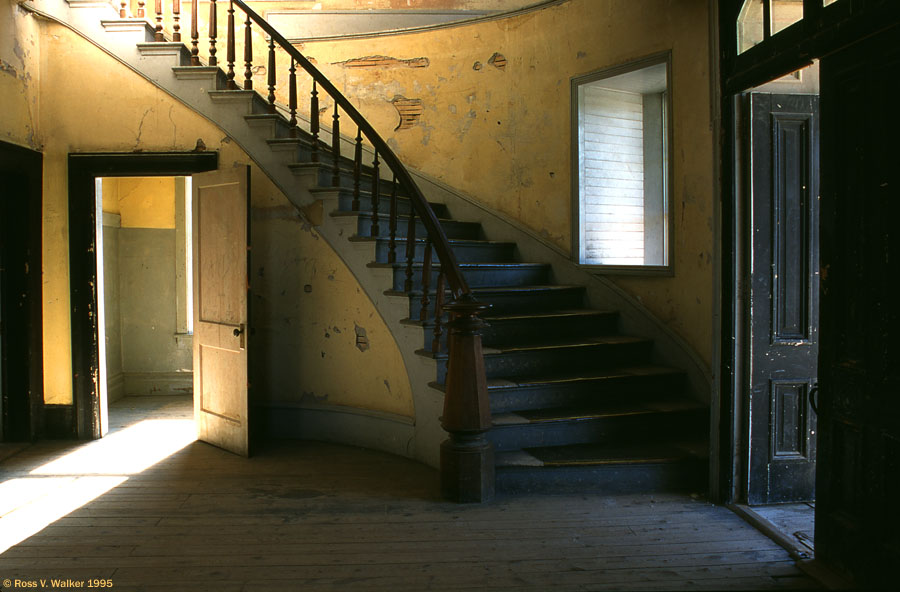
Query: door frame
x=30 y=164
x=84 y=168
x=822 y=31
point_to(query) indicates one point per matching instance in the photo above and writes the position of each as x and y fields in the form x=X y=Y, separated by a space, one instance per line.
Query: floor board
x=310 y=516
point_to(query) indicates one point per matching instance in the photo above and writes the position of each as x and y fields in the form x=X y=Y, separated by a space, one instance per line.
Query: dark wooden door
x=784 y=296
x=857 y=516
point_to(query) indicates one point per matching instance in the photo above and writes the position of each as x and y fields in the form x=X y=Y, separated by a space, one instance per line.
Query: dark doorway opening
x=858 y=421
x=779 y=310
x=21 y=350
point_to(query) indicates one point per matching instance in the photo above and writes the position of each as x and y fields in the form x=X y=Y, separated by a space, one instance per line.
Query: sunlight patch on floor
x=61 y=486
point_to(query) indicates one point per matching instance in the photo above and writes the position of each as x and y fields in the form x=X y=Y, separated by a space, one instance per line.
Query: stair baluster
x=158 y=33
x=271 y=79
x=438 y=311
x=123 y=9
x=336 y=147
x=292 y=98
x=376 y=181
x=213 y=31
x=176 y=15
x=140 y=9
x=392 y=222
x=357 y=170
x=410 y=251
x=195 y=34
x=426 y=281
x=314 y=122
x=231 y=84
x=248 y=55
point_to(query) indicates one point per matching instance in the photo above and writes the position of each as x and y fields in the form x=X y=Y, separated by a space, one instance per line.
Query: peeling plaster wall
x=91 y=103
x=313 y=319
x=19 y=57
x=496 y=121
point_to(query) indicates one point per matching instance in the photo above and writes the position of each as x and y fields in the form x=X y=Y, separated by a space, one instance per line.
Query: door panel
x=784 y=297
x=221 y=244
x=857 y=521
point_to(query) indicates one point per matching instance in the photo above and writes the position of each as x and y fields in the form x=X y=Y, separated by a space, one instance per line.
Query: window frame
x=576 y=82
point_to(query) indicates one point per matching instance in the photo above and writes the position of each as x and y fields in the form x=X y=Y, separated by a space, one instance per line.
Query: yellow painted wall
x=143 y=202
x=502 y=135
x=91 y=103
x=19 y=58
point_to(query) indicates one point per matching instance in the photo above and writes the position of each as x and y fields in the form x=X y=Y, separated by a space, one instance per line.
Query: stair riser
x=512 y=276
x=271 y=127
x=607 y=429
x=616 y=479
x=404 y=206
x=465 y=253
x=559 y=360
x=573 y=394
x=515 y=302
x=452 y=228
x=500 y=333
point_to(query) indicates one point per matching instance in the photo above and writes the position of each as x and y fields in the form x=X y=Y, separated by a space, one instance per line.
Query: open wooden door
x=784 y=296
x=858 y=477
x=221 y=282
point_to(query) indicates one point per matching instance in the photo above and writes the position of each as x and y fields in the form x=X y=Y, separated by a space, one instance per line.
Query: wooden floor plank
x=310 y=516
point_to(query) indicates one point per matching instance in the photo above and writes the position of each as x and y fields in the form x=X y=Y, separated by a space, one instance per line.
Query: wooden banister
x=458 y=285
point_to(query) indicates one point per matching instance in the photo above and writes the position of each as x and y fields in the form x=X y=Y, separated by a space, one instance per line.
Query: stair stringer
x=419 y=438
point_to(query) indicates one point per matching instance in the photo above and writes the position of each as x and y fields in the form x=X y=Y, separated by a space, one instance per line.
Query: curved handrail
x=439 y=241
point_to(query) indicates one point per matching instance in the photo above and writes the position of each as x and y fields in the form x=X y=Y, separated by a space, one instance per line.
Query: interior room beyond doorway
x=144 y=276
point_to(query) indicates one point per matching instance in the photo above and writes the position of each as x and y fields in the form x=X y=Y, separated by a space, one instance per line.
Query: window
x=621 y=143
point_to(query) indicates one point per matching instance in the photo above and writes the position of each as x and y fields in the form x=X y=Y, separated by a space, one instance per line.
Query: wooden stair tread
x=467 y=265
x=552 y=344
x=538 y=315
x=574 y=455
x=452 y=241
x=605 y=374
x=598 y=410
x=550 y=314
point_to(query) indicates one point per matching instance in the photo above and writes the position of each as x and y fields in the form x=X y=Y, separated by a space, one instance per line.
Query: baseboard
x=59 y=422
x=115 y=387
x=158 y=383
x=375 y=430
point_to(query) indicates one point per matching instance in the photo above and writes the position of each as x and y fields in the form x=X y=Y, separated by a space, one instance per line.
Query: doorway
x=21 y=351
x=779 y=191
x=85 y=224
x=144 y=288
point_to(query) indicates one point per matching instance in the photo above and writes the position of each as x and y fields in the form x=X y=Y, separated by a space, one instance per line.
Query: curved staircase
x=575 y=404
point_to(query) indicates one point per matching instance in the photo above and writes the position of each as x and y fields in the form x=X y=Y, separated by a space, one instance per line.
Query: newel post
x=467 y=457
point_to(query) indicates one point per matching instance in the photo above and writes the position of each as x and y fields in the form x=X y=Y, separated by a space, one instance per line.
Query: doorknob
x=812 y=397
x=237 y=332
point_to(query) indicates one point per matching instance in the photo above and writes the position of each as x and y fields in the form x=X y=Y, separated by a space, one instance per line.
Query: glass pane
x=785 y=13
x=827 y=2
x=750 y=25
x=622 y=169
